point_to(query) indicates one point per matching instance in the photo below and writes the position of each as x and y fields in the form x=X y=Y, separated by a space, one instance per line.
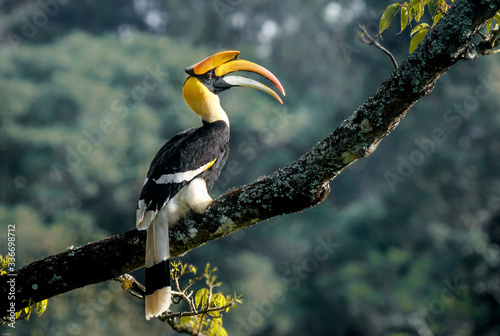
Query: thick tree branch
x=298 y=186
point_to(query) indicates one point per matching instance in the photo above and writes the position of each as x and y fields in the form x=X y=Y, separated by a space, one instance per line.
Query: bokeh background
x=407 y=241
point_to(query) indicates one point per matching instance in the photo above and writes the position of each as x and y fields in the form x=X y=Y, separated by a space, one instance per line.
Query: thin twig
x=492 y=51
x=374 y=41
x=193 y=281
x=494 y=36
x=489 y=45
x=176 y=280
x=130 y=284
x=187 y=298
x=164 y=317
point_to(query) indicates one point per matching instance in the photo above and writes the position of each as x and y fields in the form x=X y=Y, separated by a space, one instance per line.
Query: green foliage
x=414 y=11
x=389 y=14
x=204 y=316
x=418 y=35
x=4 y=262
x=38 y=307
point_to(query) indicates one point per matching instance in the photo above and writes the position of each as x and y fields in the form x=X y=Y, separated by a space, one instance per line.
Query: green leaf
x=437 y=18
x=201 y=297
x=433 y=6
x=218 y=300
x=175 y=266
x=418 y=8
x=404 y=17
x=418 y=28
x=497 y=18
x=41 y=307
x=27 y=310
x=214 y=313
x=389 y=13
x=222 y=331
x=415 y=41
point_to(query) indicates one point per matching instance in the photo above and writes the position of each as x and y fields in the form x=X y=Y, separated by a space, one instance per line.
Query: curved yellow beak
x=211 y=62
x=226 y=62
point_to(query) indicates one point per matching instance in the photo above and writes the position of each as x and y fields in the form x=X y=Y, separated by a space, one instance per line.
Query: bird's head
x=208 y=78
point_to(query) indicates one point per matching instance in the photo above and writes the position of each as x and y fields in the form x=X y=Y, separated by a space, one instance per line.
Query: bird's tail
x=158 y=290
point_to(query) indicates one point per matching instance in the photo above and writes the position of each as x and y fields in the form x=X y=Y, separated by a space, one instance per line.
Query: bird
x=184 y=170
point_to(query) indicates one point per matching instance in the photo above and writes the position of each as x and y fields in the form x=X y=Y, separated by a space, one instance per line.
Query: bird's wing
x=179 y=161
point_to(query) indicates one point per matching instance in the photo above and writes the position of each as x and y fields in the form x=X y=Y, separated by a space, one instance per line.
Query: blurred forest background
x=90 y=90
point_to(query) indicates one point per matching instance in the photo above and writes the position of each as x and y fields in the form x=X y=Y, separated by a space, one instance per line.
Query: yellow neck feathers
x=203 y=102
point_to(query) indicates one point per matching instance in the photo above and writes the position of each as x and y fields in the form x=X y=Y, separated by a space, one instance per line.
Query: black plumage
x=187 y=151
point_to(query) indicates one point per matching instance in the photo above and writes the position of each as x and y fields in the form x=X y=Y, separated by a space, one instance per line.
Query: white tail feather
x=194 y=196
x=157 y=245
x=158 y=302
x=157 y=250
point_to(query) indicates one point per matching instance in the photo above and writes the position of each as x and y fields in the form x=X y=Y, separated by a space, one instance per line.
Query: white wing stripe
x=181 y=177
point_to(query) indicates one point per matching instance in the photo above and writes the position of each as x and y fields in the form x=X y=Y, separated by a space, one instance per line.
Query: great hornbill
x=186 y=167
